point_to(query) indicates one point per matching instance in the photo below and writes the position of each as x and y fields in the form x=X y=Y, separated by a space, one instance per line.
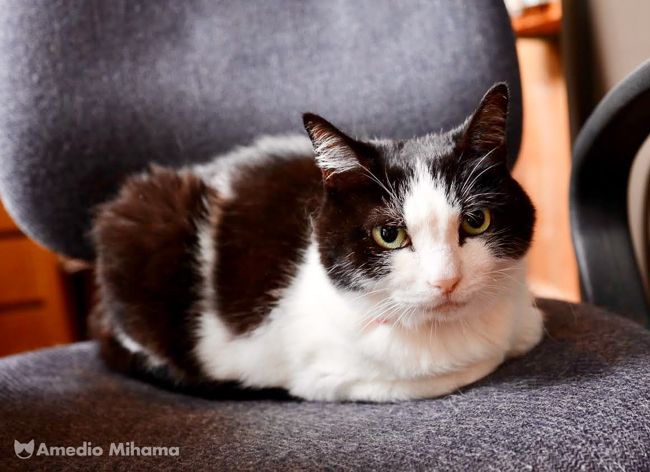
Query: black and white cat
x=334 y=268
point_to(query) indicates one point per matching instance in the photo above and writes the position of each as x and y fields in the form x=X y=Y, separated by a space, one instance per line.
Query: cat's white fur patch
x=432 y=224
x=206 y=256
x=134 y=347
x=220 y=171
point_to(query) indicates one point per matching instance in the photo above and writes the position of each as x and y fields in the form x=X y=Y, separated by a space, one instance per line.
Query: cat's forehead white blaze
x=428 y=211
x=432 y=222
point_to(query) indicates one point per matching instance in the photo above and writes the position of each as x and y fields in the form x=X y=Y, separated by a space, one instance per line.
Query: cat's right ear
x=341 y=158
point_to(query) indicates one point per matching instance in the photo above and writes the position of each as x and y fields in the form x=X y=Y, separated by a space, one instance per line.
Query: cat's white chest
x=330 y=346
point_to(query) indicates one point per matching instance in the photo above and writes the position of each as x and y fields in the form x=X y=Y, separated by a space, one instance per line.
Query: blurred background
x=570 y=53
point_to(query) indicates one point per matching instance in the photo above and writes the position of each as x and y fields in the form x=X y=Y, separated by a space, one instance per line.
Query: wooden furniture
x=544 y=164
x=34 y=310
x=539 y=21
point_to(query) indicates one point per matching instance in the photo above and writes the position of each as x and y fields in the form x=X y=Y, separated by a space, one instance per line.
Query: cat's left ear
x=341 y=158
x=485 y=131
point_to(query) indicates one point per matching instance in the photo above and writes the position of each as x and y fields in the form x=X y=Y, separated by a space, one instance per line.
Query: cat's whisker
x=374 y=178
x=390 y=184
x=399 y=319
x=433 y=326
x=367 y=294
x=469 y=187
x=379 y=308
x=377 y=316
x=508 y=276
x=478 y=164
x=378 y=305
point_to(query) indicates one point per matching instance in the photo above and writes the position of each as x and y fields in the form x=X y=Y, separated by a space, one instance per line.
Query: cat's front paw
x=337 y=387
x=529 y=332
x=319 y=385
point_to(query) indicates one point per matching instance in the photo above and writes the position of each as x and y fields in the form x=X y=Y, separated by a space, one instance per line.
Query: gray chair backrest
x=92 y=90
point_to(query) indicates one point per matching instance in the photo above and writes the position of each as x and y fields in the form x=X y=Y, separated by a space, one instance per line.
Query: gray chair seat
x=579 y=401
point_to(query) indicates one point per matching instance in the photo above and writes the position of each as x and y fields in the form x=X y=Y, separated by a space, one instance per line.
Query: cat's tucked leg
x=427 y=387
x=146 y=239
x=529 y=331
x=337 y=386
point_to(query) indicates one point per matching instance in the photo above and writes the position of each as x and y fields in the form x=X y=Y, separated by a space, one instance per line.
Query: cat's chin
x=443 y=308
x=425 y=314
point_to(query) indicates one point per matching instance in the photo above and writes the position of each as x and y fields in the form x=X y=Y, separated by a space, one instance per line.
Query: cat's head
x=425 y=228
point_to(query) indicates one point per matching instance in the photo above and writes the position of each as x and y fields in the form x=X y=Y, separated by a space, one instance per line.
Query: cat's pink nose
x=445 y=285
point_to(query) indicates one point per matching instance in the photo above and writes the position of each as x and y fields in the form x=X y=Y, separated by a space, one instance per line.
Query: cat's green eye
x=390 y=237
x=477 y=222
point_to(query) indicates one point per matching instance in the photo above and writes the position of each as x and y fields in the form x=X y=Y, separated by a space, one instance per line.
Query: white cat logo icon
x=24 y=451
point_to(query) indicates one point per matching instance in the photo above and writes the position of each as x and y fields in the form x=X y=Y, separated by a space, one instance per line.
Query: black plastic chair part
x=603 y=153
x=94 y=90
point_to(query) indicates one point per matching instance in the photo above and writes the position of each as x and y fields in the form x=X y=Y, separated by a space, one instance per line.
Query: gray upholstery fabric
x=91 y=90
x=579 y=401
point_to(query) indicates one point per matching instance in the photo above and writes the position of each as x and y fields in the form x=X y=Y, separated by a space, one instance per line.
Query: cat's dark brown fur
x=261 y=237
x=146 y=267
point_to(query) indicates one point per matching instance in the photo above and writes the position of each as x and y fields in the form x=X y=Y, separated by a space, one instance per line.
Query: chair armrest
x=602 y=158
